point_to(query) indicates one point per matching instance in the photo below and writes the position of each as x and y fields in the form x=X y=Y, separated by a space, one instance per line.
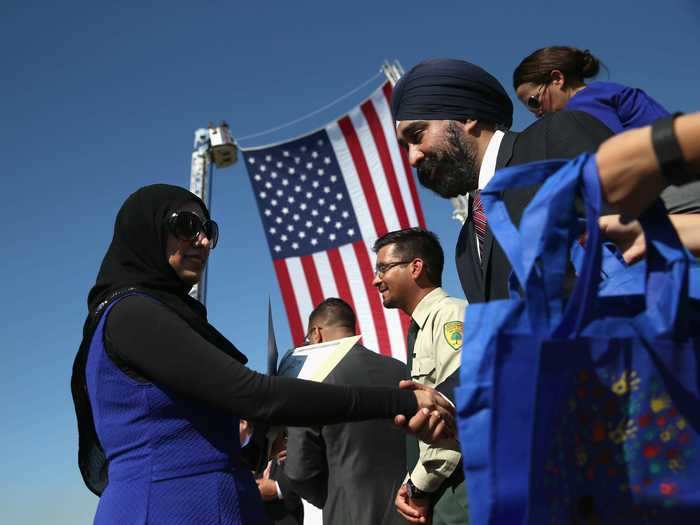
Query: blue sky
x=98 y=100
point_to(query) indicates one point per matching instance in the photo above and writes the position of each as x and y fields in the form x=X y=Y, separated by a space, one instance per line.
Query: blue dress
x=618 y=107
x=171 y=460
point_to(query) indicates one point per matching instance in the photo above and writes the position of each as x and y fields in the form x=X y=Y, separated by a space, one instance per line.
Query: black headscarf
x=450 y=89
x=136 y=261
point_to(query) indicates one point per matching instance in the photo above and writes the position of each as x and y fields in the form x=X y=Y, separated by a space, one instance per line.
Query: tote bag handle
x=545 y=231
x=667 y=263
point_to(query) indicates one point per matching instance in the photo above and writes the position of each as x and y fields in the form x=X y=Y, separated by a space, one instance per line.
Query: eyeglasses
x=187 y=226
x=534 y=101
x=381 y=268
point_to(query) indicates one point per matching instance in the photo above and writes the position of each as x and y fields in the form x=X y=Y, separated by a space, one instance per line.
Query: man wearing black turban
x=452 y=118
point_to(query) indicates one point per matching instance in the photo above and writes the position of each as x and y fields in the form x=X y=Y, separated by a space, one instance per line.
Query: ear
x=320 y=337
x=557 y=78
x=416 y=267
x=471 y=127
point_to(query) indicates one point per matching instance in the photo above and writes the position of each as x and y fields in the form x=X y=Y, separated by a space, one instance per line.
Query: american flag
x=324 y=198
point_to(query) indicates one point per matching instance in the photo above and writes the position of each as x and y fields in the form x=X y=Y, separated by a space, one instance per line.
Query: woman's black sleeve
x=161 y=347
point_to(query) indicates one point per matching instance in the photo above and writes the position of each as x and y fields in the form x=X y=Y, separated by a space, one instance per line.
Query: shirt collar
x=422 y=310
x=488 y=163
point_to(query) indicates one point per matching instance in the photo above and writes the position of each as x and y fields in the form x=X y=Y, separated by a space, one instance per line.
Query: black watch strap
x=414 y=492
x=668 y=151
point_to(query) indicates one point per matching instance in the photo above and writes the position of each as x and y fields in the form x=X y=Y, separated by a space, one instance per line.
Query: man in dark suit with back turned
x=350 y=470
x=452 y=118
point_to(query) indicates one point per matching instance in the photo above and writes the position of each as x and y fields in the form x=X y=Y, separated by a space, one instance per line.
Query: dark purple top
x=618 y=107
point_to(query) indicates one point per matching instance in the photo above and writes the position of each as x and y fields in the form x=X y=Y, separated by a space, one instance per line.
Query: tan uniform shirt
x=437 y=350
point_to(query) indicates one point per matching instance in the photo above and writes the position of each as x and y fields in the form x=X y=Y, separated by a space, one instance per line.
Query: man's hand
x=412 y=510
x=281 y=456
x=268 y=489
x=435 y=418
x=268 y=469
x=629 y=237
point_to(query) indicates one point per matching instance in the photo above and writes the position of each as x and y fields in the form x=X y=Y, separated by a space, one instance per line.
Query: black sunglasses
x=186 y=226
x=534 y=101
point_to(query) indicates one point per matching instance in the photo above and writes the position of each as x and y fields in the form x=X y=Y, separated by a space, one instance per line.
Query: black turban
x=449 y=89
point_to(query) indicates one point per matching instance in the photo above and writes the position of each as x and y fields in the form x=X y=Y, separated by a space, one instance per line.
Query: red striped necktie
x=479 y=218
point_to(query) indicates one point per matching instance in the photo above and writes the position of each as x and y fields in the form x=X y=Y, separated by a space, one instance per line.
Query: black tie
x=412 y=450
x=411 y=343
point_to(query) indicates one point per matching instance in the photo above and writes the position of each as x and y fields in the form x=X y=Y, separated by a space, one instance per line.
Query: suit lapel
x=479 y=277
x=486 y=256
x=468 y=266
x=505 y=151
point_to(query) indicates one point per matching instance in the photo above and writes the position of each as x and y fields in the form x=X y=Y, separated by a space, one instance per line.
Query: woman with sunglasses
x=158 y=390
x=552 y=78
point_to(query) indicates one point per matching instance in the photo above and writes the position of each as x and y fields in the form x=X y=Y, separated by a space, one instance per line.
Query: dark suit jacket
x=353 y=470
x=560 y=135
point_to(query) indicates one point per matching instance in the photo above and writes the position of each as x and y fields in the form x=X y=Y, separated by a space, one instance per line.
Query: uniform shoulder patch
x=454 y=331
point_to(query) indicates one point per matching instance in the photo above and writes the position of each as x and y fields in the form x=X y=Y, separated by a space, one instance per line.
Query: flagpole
x=272 y=354
x=213 y=146
x=392 y=71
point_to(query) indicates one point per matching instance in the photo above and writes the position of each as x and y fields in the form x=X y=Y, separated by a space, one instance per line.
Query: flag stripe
x=301 y=291
x=407 y=169
x=380 y=142
x=412 y=188
x=307 y=262
x=374 y=166
x=405 y=322
x=396 y=335
x=290 y=302
x=382 y=103
x=397 y=340
x=341 y=277
x=375 y=304
x=363 y=310
x=352 y=181
x=358 y=158
x=326 y=274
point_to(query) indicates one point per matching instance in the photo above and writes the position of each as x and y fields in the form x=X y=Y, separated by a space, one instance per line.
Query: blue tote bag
x=516 y=351
x=617 y=411
x=502 y=341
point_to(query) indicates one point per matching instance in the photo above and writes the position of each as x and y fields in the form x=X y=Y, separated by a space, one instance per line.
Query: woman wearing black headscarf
x=158 y=390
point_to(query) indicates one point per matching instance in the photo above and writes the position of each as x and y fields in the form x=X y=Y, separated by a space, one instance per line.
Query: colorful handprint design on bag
x=620 y=441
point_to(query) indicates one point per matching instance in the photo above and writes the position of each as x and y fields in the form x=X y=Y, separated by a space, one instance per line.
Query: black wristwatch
x=414 y=492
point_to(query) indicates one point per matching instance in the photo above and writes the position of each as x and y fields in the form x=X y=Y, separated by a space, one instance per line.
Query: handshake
x=435 y=418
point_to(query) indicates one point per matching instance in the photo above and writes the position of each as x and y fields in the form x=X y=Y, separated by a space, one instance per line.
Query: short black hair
x=417 y=243
x=333 y=312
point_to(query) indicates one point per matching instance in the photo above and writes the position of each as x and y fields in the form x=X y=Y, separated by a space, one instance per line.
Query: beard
x=452 y=171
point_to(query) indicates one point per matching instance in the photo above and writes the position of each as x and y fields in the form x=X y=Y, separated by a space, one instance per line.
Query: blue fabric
x=618 y=107
x=529 y=457
x=171 y=460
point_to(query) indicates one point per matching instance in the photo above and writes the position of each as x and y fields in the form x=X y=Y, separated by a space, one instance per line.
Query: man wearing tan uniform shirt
x=408 y=275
